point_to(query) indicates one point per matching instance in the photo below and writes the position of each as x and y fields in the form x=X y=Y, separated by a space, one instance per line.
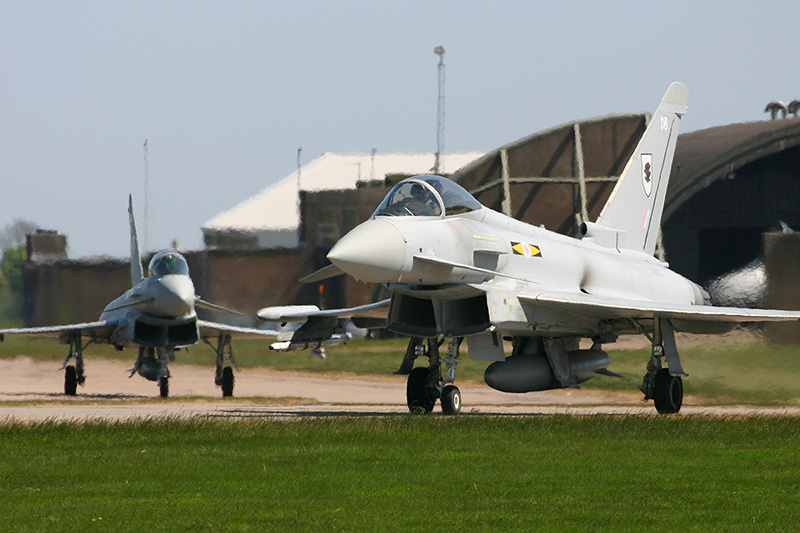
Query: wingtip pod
x=287 y=313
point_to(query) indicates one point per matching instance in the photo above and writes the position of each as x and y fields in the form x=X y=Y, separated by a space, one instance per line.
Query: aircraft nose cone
x=374 y=251
x=175 y=296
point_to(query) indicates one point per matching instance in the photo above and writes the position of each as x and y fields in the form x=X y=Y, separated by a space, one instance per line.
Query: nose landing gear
x=426 y=385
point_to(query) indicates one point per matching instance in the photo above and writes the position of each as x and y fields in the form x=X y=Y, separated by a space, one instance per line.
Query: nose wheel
x=451 y=400
x=425 y=385
x=163 y=386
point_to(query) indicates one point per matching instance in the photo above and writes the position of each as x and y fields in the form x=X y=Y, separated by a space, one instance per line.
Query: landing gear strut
x=426 y=385
x=225 y=364
x=73 y=373
x=664 y=385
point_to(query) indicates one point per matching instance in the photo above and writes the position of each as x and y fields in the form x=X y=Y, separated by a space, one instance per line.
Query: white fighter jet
x=457 y=269
x=158 y=315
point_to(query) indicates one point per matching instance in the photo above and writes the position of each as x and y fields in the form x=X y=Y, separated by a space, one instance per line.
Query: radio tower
x=439 y=51
x=146 y=196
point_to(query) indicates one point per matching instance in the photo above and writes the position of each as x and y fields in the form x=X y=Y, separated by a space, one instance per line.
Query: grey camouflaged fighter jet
x=158 y=315
x=457 y=269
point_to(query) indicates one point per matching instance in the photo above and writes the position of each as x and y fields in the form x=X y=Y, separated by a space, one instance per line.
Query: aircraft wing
x=322 y=327
x=213 y=329
x=588 y=305
x=363 y=316
x=330 y=271
x=100 y=331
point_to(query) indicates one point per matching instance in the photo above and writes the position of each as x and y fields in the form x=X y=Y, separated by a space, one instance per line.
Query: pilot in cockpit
x=168 y=262
x=421 y=202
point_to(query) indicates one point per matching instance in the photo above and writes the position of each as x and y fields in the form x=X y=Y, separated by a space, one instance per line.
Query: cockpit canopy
x=428 y=196
x=167 y=262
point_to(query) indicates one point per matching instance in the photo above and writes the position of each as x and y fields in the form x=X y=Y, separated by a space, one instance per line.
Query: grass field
x=403 y=473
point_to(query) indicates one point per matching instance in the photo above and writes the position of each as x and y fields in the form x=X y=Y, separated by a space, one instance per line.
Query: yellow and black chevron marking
x=528 y=250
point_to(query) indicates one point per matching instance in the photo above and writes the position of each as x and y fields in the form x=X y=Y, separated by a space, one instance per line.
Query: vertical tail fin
x=635 y=206
x=136 y=259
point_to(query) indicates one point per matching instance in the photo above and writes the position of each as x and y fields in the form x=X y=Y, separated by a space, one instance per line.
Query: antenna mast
x=438 y=163
x=298 y=200
x=299 y=152
x=146 y=196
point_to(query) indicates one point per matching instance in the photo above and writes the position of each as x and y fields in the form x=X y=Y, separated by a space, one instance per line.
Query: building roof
x=277 y=206
x=543 y=170
x=704 y=156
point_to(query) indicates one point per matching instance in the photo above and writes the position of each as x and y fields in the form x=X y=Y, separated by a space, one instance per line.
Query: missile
x=290 y=346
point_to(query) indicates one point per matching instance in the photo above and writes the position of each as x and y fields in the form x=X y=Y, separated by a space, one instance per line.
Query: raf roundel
x=525 y=249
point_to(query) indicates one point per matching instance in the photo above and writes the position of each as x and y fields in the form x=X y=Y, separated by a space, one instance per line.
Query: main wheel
x=668 y=394
x=163 y=386
x=70 y=381
x=417 y=395
x=451 y=400
x=227 y=382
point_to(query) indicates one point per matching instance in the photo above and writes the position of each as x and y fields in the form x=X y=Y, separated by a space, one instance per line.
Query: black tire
x=417 y=395
x=668 y=394
x=70 y=381
x=163 y=386
x=451 y=400
x=227 y=382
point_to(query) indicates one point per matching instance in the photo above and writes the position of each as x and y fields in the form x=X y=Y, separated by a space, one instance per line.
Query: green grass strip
x=403 y=473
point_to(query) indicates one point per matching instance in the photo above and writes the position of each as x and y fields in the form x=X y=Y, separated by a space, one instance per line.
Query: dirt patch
x=27 y=379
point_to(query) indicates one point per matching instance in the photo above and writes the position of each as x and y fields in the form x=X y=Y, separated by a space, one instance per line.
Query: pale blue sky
x=225 y=92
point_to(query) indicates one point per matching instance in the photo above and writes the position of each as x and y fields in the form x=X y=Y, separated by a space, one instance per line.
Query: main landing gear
x=225 y=364
x=73 y=371
x=664 y=385
x=426 y=385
